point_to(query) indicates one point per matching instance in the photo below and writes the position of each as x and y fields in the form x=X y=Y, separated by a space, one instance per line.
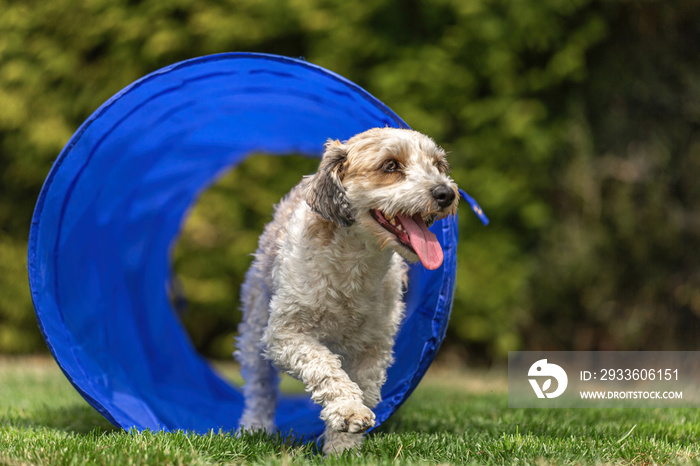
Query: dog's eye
x=390 y=166
x=443 y=166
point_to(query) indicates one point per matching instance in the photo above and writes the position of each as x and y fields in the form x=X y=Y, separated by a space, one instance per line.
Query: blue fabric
x=111 y=208
x=476 y=208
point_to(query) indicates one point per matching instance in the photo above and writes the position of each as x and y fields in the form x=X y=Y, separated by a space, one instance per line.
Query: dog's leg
x=321 y=371
x=337 y=442
x=261 y=379
x=260 y=393
x=368 y=368
x=369 y=371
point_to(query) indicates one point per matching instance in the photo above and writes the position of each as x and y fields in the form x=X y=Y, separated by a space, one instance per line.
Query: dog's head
x=390 y=184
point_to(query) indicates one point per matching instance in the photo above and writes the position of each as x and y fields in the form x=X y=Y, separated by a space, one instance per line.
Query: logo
x=541 y=369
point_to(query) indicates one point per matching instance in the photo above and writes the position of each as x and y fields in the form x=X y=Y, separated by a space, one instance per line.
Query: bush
x=574 y=124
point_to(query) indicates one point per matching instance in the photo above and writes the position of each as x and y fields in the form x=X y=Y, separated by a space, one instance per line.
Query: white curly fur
x=323 y=297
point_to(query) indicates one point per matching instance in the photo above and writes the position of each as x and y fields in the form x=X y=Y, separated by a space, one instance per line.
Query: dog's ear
x=325 y=193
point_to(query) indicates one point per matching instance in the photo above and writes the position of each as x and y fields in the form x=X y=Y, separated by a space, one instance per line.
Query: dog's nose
x=444 y=195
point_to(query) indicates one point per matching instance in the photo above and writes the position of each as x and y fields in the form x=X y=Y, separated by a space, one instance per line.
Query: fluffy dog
x=323 y=297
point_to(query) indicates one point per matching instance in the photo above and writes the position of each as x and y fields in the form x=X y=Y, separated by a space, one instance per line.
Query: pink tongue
x=423 y=241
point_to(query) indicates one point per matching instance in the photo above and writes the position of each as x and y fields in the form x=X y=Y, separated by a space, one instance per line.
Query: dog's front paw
x=348 y=416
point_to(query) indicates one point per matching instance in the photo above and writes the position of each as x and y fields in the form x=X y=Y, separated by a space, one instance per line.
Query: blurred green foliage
x=573 y=122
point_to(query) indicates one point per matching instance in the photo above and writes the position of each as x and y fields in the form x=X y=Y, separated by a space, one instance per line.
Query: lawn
x=452 y=418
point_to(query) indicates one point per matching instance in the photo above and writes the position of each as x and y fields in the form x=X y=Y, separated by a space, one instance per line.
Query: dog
x=323 y=298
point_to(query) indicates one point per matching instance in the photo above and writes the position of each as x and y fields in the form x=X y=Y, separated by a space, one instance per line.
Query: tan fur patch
x=319 y=229
x=368 y=164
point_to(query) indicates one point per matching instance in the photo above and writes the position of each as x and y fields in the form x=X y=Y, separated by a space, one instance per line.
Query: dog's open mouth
x=413 y=233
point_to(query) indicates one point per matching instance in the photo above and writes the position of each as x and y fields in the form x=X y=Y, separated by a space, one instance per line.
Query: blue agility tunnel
x=109 y=214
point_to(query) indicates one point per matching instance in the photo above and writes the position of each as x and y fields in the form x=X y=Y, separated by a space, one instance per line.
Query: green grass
x=452 y=418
